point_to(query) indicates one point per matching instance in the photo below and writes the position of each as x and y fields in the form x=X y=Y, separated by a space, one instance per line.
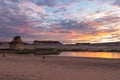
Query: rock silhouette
x=17 y=43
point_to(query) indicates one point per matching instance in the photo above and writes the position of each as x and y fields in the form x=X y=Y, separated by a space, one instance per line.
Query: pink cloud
x=24 y=29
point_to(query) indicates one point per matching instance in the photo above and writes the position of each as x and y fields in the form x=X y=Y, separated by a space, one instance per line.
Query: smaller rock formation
x=17 y=43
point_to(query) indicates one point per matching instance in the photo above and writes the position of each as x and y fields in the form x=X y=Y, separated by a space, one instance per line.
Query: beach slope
x=30 y=67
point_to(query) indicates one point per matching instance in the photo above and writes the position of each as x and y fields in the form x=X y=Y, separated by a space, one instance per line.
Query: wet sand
x=30 y=67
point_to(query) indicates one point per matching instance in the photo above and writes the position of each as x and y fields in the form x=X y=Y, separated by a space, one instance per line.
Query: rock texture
x=17 y=43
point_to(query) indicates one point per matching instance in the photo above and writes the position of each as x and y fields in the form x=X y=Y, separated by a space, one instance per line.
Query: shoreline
x=47 y=52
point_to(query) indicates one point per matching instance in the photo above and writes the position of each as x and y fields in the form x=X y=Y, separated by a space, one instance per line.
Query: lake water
x=92 y=54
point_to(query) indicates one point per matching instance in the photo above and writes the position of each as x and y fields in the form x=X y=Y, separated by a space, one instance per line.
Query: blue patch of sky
x=50 y=9
x=91 y=6
x=83 y=4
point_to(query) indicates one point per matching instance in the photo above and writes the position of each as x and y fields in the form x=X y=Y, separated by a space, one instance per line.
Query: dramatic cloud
x=68 y=21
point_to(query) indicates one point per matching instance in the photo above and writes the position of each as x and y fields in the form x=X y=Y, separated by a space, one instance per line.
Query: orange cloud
x=91 y=37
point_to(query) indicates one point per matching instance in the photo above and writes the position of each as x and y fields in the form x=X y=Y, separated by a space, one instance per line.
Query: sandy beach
x=31 y=67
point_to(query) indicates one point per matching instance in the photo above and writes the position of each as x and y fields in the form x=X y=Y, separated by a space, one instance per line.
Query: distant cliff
x=18 y=44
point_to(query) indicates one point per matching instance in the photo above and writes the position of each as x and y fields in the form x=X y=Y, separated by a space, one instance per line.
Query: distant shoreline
x=43 y=51
x=56 y=46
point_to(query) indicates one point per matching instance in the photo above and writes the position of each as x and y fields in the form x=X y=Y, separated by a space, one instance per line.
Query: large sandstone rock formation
x=17 y=43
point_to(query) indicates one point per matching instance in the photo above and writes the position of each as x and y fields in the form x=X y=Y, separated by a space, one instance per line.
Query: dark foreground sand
x=30 y=67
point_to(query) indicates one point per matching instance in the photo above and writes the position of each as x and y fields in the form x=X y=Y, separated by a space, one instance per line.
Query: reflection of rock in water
x=47 y=52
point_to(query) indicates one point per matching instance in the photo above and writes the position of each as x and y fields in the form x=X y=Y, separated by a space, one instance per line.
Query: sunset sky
x=69 y=21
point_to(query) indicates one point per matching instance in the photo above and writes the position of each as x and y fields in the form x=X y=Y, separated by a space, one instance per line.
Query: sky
x=67 y=21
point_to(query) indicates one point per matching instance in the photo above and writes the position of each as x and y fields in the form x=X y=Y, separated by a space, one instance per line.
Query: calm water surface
x=92 y=54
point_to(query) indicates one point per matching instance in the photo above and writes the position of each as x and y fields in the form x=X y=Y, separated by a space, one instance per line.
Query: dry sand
x=30 y=67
